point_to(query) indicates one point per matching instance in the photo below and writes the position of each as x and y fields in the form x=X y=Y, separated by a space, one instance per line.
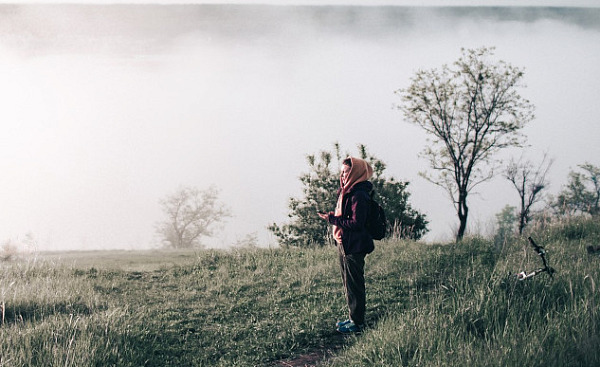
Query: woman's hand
x=324 y=215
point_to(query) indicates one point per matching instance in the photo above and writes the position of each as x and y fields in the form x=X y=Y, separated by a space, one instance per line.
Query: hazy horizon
x=108 y=108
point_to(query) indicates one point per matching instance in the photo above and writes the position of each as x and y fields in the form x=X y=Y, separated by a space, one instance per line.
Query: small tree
x=582 y=193
x=319 y=195
x=8 y=251
x=505 y=220
x=471 y=111
x=320 y=186
x=190 y=214
x=529 y=181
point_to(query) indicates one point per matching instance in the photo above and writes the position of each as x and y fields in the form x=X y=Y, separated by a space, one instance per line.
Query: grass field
x=428 y=305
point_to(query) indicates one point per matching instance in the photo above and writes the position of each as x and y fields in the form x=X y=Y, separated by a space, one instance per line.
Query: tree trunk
x=523 y=213
x=463 y=213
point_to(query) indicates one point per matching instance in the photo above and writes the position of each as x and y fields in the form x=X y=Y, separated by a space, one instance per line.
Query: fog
x=108 y=108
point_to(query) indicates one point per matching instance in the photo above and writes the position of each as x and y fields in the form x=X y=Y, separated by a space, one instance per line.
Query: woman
x=353 y=239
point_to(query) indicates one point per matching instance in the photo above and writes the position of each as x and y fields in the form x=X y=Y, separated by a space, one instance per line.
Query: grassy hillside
x=428 y=305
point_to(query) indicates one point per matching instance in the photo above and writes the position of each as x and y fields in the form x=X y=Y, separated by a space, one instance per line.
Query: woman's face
x=345 y=172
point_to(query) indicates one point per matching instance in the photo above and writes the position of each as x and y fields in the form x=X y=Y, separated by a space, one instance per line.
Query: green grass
x=428 y=305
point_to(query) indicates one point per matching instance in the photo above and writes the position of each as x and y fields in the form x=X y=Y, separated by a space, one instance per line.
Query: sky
x=108 y=109
x=564 y=3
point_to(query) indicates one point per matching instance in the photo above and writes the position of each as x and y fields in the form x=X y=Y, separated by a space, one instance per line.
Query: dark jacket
x=355 y=208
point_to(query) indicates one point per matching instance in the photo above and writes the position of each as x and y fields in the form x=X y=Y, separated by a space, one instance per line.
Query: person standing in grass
x=353 y=240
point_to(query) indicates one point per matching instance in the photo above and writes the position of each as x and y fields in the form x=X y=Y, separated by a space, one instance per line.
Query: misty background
x=106 y=109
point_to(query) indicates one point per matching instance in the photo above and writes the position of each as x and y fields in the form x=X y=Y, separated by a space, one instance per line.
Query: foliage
x=471 y=111
x=579 y=228
x=190 y=214
x=12 y=249
x=506 y=226
x=8 y=250
x=581 y=194
x=427 y=305
x=212 y=308
x=471 y=313
x=529 y=181
x=320 y=185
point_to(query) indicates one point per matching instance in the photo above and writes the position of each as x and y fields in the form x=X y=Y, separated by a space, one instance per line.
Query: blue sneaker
x=349 y=328
x=342 y=323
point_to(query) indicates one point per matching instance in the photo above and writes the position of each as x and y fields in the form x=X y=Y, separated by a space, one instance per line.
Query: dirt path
x=315 y=357
x=306 y=360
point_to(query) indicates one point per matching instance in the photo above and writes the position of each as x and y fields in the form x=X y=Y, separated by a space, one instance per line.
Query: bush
x=320 y=184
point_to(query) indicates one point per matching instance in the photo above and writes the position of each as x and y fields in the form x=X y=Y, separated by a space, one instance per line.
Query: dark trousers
x=353 y=276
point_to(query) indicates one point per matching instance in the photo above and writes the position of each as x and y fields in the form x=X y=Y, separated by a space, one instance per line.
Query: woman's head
x=354 y=170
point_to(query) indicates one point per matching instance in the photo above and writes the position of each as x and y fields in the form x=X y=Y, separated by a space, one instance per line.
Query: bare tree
x=190 y=214
x=530 y=181
x=471 y=110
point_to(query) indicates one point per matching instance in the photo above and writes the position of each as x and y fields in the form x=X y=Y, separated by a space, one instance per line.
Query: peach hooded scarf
x=360 y=171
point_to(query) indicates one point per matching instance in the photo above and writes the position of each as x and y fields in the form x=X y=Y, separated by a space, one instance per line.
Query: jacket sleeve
x=357 y=218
